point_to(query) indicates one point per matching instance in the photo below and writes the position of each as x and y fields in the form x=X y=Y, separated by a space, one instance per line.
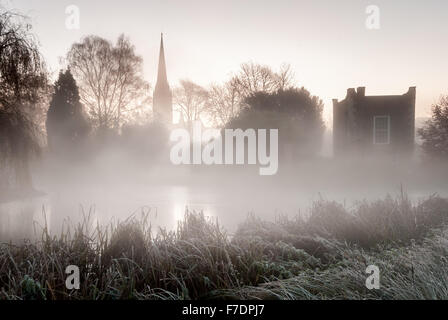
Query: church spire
x=161 y=76
x=163 y=105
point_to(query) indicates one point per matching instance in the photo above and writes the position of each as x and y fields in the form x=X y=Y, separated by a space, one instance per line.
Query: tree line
x=106 y=80
x=102 y=90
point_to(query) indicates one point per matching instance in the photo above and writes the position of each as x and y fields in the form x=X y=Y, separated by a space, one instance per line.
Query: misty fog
x=116 y=184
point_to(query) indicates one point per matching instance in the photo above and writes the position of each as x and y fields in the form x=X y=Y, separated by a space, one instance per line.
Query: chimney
x=351 y=92
x=361 y=91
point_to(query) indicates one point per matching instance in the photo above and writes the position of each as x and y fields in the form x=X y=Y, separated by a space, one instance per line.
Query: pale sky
x=326 y=42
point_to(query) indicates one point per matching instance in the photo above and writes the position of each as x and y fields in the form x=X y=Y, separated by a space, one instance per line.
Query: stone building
x=374 y=125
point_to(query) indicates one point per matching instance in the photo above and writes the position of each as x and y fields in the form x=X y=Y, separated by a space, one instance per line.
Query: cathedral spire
x=163 y=105
x=161 y=76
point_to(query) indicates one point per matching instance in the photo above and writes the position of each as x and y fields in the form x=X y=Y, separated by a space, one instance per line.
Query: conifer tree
x=66 y=123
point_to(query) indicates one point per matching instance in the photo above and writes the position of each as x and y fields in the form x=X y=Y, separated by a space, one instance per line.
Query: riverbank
x=321 y=256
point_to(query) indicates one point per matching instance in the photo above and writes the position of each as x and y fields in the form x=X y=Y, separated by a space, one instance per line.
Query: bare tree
x=253 y=78
x=284 y=77
x=226 y=101
x=190 y=100
x=110 y=79
x=223 y=103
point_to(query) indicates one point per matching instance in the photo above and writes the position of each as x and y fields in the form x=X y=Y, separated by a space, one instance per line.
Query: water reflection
x=165 y=205
x=26 y=219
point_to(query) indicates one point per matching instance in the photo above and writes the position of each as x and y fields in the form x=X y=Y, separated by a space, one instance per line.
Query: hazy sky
x=326 y=42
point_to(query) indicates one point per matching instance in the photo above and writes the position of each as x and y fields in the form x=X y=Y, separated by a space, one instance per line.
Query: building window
x=381 y=130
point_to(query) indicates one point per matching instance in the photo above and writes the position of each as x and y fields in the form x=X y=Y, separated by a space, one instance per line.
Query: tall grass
x=322 y=256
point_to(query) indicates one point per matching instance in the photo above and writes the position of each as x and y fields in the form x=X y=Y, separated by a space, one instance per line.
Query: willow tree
x=23 y=82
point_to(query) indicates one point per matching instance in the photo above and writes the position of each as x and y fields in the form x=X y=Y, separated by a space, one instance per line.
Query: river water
x=227 y=199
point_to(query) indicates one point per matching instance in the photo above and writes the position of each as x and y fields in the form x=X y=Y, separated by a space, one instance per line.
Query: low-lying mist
x=115 y=183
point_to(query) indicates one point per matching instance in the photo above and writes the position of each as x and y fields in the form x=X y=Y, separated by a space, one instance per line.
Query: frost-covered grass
x=322 y=256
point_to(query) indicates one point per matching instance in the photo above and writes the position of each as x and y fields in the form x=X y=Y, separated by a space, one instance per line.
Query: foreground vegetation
x=321 y=256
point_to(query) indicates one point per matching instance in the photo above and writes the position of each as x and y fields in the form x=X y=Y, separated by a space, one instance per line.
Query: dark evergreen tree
x=66 y=123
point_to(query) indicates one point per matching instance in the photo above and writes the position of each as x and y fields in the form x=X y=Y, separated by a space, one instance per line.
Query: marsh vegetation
x=321 y=256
